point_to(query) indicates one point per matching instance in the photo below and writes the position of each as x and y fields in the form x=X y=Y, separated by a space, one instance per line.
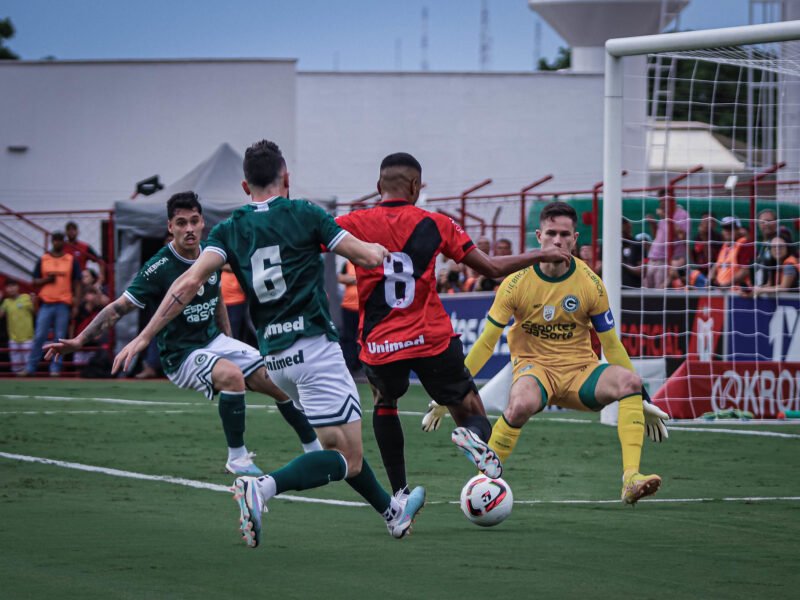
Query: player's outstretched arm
x=104 y=321
x=180 y=293
x=613 y=349
x=654 y=418
x=500 y=266
x=483 y=348
x=363 y=254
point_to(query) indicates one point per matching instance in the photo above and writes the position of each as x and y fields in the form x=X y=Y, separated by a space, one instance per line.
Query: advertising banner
x=764 y=329
x=763 y=388
x=468 y=315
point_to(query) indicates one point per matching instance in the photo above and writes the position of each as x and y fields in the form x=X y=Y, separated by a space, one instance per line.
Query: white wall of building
x=463 y=127
x=93 y=129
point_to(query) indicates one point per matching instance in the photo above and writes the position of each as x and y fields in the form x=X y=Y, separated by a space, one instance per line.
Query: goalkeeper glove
x=654 y=419
x=433 y=418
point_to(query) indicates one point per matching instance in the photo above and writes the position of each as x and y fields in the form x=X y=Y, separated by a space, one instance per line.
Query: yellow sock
x=630 y=428
x=504 y=438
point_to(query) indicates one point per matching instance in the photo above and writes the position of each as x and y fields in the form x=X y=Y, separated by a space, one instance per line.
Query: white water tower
x=586 y=24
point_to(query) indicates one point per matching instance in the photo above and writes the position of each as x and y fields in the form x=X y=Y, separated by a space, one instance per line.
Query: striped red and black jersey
x=400 y=314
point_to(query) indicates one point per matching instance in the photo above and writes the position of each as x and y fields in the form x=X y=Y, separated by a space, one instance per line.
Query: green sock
x=368 y=488
x=297 y=419
x=311 y=470
x=231 y=411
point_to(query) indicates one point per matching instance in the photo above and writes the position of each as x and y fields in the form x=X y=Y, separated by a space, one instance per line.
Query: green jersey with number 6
x=274 y=250
x=196 y=326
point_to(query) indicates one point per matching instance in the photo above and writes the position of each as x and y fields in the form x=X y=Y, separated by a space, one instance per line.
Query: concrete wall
x=462 y=127
x=93 y=129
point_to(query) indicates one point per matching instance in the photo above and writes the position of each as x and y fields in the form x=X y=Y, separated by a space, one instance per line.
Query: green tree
x=716 y=93
x=563 y=60
x=6 y=33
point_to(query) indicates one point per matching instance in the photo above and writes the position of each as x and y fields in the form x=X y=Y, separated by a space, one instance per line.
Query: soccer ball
x=486 y=502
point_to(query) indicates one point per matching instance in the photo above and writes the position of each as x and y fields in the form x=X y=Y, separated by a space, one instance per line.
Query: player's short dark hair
x=401 y=159
x=57 y=235
x=263 y=162
x=187 y=200
x=558 y=209
x=71 y=225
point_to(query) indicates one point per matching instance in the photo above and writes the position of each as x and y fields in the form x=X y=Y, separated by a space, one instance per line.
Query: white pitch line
x=223 y=488
x=89 y=412
x=737 y=432
x=706 y=427
x=106 y=400
x=161 y=478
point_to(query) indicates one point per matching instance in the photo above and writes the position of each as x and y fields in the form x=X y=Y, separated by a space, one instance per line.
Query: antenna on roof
x=424 y=40
x=486 y=40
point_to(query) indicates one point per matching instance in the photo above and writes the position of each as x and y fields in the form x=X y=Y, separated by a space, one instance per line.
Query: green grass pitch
x=69 y=533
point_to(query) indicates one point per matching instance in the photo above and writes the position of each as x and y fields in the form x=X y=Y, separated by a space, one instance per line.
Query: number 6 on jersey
x=268 y=282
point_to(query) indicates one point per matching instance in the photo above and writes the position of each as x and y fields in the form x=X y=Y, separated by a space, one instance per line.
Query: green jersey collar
x=188 y=261
x=549 y=279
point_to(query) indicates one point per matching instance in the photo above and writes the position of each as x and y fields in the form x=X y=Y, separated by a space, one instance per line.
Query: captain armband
x=603 y=322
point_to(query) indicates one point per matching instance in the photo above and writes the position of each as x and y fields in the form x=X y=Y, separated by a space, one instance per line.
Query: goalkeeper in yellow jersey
x=554 y=307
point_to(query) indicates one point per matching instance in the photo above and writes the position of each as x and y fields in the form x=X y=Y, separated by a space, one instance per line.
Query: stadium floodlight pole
x=618 y=48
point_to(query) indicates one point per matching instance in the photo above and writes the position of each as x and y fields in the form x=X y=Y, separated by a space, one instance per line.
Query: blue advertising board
x=468 y=315
x=764 y=329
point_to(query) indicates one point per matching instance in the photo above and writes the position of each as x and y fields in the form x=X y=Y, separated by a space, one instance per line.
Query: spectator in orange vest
x=683 y=276
x=732 y=269
x=349 y=339
x=235 y=302
x=58 y=274
x=784 y=277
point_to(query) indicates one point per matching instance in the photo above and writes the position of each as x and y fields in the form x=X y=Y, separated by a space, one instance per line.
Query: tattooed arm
x=182 y=290
x=104 y=321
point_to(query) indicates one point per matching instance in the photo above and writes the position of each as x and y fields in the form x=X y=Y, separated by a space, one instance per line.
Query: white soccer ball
x=485 y=501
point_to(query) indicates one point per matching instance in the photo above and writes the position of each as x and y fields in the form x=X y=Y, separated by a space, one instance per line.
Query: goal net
x=701 y=252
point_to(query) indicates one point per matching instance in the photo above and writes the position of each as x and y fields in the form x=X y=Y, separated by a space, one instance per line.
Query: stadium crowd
x=721 y=255
x=69 y=281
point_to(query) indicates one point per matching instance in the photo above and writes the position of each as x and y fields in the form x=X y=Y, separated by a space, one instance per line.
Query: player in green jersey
x=273 y=246
x=196 y=350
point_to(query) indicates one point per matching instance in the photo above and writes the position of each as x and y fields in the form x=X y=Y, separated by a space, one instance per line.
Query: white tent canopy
x=217 y=181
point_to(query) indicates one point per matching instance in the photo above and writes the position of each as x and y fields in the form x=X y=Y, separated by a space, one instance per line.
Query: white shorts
x=313 y=371
x=195 y=372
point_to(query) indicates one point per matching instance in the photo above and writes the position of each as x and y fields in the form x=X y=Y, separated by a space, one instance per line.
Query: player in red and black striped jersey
x=402 y=323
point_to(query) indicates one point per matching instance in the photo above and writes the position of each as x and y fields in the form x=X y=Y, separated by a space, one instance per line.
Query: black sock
x=389 y=435
x=298 y=420
x=231 y=411
x=480 y=426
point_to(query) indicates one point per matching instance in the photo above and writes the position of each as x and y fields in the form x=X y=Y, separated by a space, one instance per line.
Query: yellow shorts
x=568 y=387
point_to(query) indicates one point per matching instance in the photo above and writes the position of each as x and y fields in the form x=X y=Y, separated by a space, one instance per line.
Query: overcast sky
x=321 y=34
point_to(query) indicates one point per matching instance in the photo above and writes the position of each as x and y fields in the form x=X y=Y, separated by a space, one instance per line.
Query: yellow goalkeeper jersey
x=552 y=315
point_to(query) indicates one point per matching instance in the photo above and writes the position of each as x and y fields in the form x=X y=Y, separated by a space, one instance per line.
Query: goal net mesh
x=711 y=201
